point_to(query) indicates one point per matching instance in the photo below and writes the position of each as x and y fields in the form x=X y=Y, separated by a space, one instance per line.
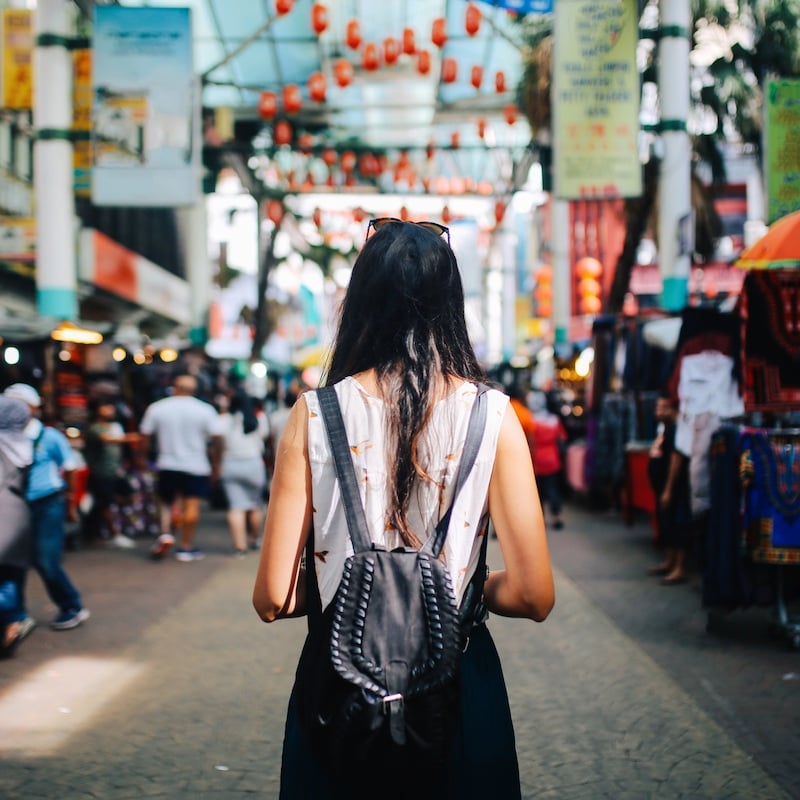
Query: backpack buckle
x=389 y=699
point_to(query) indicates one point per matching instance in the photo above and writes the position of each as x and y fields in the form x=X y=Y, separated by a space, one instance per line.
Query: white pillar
x=562 y=295
x=56 y=272
x=675 y=220
x=194 y=232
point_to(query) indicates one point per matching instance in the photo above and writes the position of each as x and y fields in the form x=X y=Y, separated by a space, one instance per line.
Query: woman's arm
x=280 y=587
x=525 y=588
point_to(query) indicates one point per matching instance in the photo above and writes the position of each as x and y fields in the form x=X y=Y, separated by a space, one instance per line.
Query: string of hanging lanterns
x=346 y=168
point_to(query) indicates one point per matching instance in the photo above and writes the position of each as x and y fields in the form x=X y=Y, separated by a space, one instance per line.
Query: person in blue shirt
x=51 y=498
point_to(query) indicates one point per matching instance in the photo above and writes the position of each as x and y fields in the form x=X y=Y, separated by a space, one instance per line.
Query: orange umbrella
x=778 y=248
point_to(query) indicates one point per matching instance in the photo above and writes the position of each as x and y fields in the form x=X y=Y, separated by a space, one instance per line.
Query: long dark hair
x=403 y=316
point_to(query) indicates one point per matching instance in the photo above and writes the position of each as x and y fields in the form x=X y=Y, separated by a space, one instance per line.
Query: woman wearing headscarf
x=16 y=455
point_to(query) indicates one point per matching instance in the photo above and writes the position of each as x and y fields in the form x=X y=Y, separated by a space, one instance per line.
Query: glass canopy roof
x=243 y=47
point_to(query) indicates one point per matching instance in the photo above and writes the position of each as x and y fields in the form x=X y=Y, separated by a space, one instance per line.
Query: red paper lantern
x=590 y=305
x=292 y=98
x=423 y=62
x=317 y=86
x=319 y=18
x=458 y=185
x=370 y=58
x=485 y=188
x=499 y=211
x=348 y=161
x=343 y=72
x=267 y=105
x=305 y=142
x=404 y=214
x=275 y=211
x=329 y=156
x=391 y=49
x=545 y=309
x=283 y=7
x=446 y=215
x=472 y=21
x=430 y=151
x=476 y=76
x=588 y=267
x=481 y=127
x=409 y=42
x=282 y=132
x=511 y=112
x=544 y=274
x=449 y=70
x=588 y=286
x=353 y=34
x=439 y=31
x=543 y=293
x=359 y=215
x=455 y=140
x=500 y=81
x=316 y=215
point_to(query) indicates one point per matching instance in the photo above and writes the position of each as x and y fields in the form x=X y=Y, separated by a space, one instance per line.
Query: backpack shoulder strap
x=345 y=471
x=472 y=443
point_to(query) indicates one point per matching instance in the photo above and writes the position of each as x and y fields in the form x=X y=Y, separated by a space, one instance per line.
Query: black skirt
x=482 y=763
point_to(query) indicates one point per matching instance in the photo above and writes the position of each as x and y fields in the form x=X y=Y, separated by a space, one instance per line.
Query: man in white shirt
x=189 y=444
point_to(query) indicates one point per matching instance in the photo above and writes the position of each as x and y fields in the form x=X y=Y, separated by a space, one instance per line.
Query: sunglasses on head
x=433 y=227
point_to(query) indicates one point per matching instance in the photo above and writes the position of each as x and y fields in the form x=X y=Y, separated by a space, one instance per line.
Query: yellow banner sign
x=17 y=239
x=82 y=120
x=596 y=100
x=17 y=64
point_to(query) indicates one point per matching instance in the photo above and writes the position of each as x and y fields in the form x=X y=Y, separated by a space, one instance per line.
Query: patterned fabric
x=439 y=456
x=769 y=307
x=770 y=468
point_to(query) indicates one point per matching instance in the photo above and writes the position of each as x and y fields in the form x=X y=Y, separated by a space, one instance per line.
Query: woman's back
x=439 y=454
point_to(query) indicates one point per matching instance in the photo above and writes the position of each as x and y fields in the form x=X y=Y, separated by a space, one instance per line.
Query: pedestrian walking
x=51 y=496
x=188 y=441
x=405 y=377
x=244 y=474
x=549 y=444
x=108 y=483
x=16 y=455
x=668 y=472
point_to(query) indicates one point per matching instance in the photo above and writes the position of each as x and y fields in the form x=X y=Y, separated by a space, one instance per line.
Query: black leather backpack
x=378 y=678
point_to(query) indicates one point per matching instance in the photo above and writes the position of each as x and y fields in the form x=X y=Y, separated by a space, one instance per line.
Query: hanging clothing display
x=707 y=393
x=771 y=346
x=770 y=469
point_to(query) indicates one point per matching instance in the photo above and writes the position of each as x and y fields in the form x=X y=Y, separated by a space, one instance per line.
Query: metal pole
x=562 y=295
x=675 y=220
x=56 y=272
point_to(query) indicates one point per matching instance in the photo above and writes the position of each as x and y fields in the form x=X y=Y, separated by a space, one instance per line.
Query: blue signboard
x=524 y=6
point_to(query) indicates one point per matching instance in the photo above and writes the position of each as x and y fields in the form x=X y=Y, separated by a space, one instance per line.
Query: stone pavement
x=174 y=689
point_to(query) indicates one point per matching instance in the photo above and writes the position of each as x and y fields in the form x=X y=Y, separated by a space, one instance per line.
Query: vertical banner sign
x=782 y=151
x=596 y=100
x=144 y=148
x=82 y=121
x=17 y=59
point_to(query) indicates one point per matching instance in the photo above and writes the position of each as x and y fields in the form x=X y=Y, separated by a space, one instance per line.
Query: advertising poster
x=596 y=100
x=82 y=121
x=17 y=59
x=782 y=151
x=17 y=239
x=144 y=148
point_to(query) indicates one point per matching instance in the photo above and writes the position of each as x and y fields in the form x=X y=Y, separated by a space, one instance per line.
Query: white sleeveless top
x=439 y=453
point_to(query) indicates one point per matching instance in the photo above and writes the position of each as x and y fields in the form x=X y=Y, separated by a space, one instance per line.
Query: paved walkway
x=174 y=689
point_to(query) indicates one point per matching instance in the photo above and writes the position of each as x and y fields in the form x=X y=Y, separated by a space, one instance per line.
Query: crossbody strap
x=348 y=481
